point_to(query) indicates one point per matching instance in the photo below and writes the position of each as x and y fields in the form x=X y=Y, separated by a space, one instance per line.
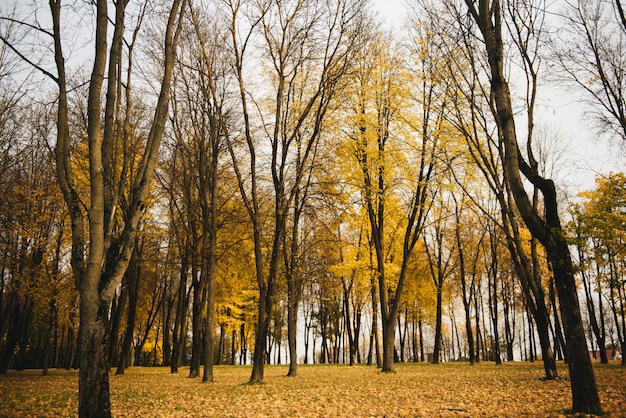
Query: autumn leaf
x=416 y=389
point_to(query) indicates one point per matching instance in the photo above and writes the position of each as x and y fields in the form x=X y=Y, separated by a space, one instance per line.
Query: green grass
x=415 y=390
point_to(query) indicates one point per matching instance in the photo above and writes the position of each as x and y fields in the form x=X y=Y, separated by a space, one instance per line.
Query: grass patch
x=414 y=390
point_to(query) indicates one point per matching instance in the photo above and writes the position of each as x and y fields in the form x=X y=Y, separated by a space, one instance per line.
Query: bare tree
x=301 y=40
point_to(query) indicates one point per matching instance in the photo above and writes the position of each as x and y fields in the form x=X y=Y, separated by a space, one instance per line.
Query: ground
x=414 y=390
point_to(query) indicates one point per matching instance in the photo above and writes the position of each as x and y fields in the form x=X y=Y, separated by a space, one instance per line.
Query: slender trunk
x=438 y=326
x=132 y=283
x=493 y=300
x=308 y=325
x=292 y=327
x=196 y=318
x=464 y=295
x=233 y=339
x=374 y=343
x=584 y=389
x=209 y=319
x=181 y=315
x=243 y=356
x=346 y=318
x=422 y=357
x=559 y=341
x=116 y=323
x=260 y=340
x=168 y=303
x=509 y=333
x=468 y=318
x=477 y=316
x=209 y=309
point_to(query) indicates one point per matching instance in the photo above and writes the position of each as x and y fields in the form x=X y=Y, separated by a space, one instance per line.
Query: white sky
x=390 y=9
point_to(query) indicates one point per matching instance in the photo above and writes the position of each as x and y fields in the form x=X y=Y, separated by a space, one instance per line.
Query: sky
x=392 y=10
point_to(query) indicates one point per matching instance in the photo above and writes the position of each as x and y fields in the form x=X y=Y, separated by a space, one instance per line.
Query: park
x=420 y=217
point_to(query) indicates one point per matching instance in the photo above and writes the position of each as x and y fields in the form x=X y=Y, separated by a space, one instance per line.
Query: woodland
x=198 y=183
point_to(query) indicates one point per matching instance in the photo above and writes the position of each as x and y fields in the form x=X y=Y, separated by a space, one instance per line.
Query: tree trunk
x=132 y=283
x=260 y=339
x=168 y=304
x=374 y=343
x=93 y=392
x=389 y=327
x=181 y=314
x=196 y=319
x=209 y=345
x=292 y=327
x=438 y=324
x=468 y=319
x=116 y=323
x=559 y=341
x=421 y=332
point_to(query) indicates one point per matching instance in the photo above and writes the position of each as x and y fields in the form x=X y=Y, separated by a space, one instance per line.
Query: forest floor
x=414 y=390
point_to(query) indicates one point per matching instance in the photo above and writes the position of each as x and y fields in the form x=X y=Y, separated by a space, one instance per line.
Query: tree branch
x=28 y=61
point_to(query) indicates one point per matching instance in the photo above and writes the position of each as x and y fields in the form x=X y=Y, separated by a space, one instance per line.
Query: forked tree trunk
x=93 y=252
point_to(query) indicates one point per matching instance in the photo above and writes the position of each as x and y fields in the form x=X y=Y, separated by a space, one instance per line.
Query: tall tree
x=101 y=247
x=471 y=113
x=439 y=244
x=199 y=129
x=547 y=228
x=599 y=236
x=301 y=40
x=392 y=181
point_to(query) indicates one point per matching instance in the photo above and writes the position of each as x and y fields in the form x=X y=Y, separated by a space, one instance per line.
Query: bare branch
x=28 y=61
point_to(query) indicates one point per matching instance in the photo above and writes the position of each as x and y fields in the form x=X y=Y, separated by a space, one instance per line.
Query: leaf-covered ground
x=415 y=390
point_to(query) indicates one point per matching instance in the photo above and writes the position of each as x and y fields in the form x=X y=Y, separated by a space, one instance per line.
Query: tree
x=34 y=298
x=547 y=228
x=598 y=233
x=102 y=248
x=440 y=250
x=396 y=152
x=199 y=128
x=472 y=115
x=310 y=41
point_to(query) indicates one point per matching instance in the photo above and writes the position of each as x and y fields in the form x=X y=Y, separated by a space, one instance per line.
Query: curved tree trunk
x=548 y=231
